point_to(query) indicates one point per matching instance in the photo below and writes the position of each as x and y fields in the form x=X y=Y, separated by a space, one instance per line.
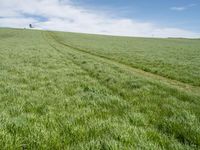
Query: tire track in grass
x=90 y=75
x=113 y=90
x=157 y=83
x=170 y=82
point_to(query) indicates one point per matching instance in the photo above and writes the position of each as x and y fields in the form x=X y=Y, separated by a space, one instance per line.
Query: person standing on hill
x=30 y=25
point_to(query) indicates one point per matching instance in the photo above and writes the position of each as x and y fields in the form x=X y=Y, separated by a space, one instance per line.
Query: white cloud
x=181 y=8
x=178 y=8
x=62 y=15
x=15 y=22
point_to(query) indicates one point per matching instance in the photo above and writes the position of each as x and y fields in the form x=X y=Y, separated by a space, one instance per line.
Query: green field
x=77 y=91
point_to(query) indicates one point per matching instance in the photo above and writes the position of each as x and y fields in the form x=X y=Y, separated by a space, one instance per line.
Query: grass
x=56 y=95
x=172 y=58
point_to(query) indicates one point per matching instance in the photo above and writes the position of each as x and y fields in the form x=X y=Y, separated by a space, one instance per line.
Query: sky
x=142 y=18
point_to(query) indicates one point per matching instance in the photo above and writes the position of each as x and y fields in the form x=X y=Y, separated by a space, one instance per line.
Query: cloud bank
x=63 y=15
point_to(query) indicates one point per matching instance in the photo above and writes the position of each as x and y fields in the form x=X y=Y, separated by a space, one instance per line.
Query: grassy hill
x=77 y=91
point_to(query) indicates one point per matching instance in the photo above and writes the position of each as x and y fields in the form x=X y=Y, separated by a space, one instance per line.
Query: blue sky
x=157 y=11
x=146 y=18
